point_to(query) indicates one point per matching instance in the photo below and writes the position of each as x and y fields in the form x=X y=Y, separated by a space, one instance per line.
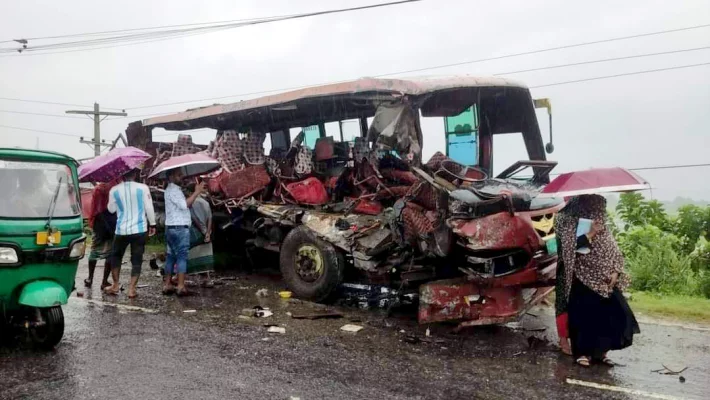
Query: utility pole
x=97 y=114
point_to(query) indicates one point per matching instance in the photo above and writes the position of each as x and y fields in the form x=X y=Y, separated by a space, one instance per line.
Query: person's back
x=133 y=206
x=201 y=213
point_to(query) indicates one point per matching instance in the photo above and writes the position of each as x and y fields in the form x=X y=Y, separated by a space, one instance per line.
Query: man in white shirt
x=177 y=230
x=132 y=203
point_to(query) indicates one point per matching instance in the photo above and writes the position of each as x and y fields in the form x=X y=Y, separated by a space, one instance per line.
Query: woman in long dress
x=590 y=284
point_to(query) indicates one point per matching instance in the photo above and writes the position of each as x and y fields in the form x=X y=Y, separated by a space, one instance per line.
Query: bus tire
x=311 y=267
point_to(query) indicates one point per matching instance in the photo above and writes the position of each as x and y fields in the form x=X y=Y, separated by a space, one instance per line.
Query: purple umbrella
x=112 y=165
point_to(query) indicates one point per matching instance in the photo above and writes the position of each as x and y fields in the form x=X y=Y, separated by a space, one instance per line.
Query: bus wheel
x=312 y=268
x=47 y=335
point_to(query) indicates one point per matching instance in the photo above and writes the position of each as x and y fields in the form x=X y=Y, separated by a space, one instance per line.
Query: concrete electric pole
x=97 y=114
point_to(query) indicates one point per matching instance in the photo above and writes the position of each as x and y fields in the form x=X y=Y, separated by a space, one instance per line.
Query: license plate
x=44 y=238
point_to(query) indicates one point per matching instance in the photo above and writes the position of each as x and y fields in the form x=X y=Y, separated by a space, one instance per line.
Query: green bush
x=664 y=254
x=661 y=269
x=704 y=283
x=701 y=255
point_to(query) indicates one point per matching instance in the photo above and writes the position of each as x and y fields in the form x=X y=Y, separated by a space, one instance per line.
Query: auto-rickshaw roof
x=340 y=101
x=21 y=154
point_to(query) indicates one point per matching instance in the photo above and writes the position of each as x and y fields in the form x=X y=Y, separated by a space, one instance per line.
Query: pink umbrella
x=594 y=181
x=112 y=165
x=191 y=164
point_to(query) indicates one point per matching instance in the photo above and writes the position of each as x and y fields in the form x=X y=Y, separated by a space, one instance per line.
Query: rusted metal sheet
x=497 y=232
x=338 y=233
x=138 y=136
x=461 y=300
x=282 y=213
x=389 y=88
x=536 y=298
x=474 y=304
x=354 y=233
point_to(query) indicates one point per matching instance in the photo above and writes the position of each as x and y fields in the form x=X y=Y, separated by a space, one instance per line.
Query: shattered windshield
x=28 y=189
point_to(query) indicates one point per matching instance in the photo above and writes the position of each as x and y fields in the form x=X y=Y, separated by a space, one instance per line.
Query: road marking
x=622 y=390
x=117 y=306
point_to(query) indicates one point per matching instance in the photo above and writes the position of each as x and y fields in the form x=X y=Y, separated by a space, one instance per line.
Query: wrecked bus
x=344 y=196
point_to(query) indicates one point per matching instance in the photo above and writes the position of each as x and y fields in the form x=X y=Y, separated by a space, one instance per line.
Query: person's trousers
x=137 y=243
x=178 y=238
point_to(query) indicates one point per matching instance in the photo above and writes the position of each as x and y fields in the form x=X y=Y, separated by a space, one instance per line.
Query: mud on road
x=151 y=347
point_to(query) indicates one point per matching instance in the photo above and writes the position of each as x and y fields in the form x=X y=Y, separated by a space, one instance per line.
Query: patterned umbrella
x=112 y=165
x=191 y=164
x=594 y=181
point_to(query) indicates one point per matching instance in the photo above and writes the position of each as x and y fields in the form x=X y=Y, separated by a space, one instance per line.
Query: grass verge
x=672 y=307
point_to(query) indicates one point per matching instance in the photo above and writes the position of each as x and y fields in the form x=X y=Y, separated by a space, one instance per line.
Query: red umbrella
x=594 y=181
x=191 y=164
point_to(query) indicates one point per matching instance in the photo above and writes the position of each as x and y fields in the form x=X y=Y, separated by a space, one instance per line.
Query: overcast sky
x=635 y=121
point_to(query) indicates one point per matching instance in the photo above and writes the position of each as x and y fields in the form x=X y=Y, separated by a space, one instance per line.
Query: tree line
x=667 y=254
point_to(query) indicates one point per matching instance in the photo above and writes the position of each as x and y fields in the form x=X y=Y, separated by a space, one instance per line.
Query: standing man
x=177 y=230
x=136 y=221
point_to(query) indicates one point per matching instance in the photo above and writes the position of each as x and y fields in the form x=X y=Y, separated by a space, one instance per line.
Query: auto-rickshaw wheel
x=46 y=336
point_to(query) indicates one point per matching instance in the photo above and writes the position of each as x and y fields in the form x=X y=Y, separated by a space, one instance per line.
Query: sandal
x=87 y=283
x=133 y=296
x=608 y=361
x=583 y=361
x=168 y=291
x=183 y=293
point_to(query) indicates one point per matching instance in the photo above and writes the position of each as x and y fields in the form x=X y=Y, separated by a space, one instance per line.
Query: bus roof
x=336 y=101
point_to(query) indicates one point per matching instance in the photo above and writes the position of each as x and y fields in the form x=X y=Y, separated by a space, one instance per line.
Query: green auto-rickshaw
x=41 y=241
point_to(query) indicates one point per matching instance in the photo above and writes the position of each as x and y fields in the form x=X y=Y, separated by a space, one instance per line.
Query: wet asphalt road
x=161 y=352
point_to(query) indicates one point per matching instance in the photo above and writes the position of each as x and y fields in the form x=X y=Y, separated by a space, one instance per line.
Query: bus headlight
x=77 y=250
x=8 y=255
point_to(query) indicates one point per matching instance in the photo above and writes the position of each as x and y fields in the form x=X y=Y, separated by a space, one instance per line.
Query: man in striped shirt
x=132 y=203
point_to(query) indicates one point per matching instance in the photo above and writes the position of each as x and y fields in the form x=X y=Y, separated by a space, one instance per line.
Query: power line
x=531 y=87
x=50 y=102
x=201 y=29
x=142 y=29
x=38 y=130
x=95 y=48
x=669 y=167
x=569 y=46
x=652 y=168
x=441 y=66
x=620 y=75
x=39 y=114
x=604 y=60
x=500 y=73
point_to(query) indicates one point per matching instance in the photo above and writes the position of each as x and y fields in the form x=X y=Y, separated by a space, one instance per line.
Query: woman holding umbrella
x=592 y=313
x=590 y=284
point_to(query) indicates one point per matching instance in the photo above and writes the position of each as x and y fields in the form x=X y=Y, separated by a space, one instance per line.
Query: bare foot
x=565 y=347
x=112 y=290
